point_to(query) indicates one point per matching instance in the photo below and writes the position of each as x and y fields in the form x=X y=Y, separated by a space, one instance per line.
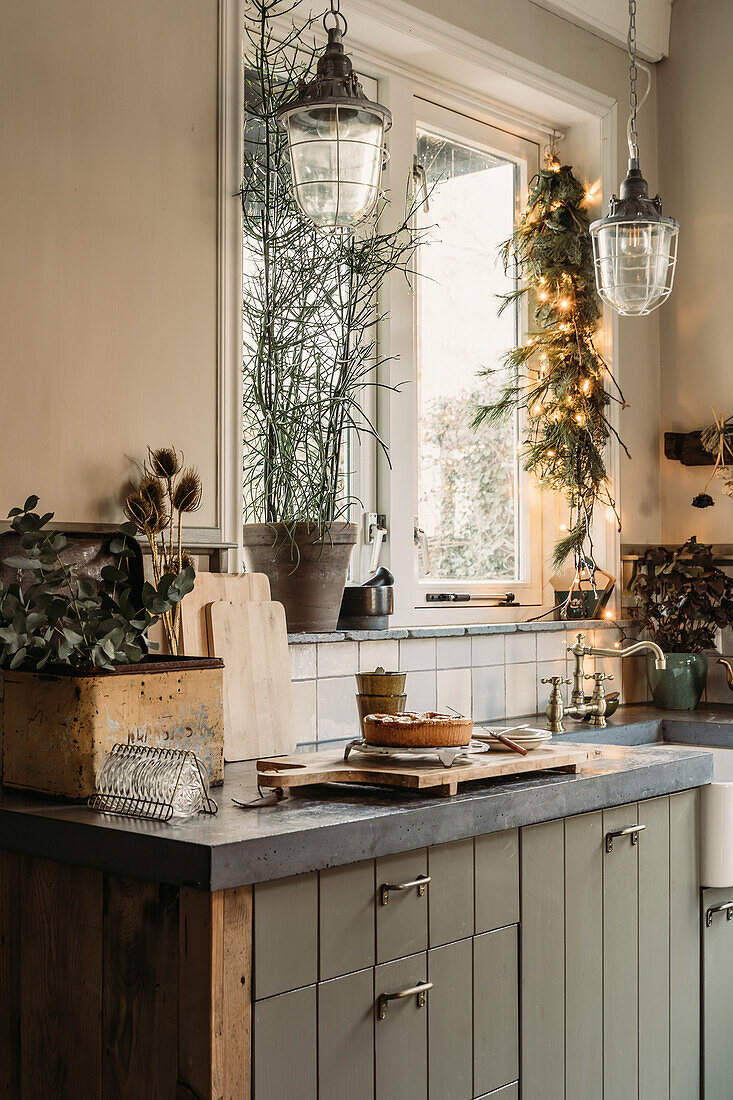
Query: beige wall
x=696 y=156
x=108 y=228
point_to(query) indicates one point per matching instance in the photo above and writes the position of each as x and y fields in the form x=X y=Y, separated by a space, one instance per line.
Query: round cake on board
x=411 y=730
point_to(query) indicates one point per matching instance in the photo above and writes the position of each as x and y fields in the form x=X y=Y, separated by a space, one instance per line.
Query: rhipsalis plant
x=310 y=302
x=49 y=616
x=558 y=378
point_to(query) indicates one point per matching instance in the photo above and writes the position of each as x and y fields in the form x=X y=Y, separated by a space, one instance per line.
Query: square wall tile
x=417 y=653
x=421 y=691
x=489 y=700
x=487 y=649
x=551 y=646
x=304 y=708
x=521 y=689
x=379 y=654
x=454 y=690
x=337 y=713
x=454 y=652
x=521 y=647
x=337 y=658
x=302 y=662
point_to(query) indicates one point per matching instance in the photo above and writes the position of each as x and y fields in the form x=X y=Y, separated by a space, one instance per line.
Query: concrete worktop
x=332 y=825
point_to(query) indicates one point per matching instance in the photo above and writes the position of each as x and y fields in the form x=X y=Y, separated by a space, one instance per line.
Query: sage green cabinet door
x=495 y=1009
x=621 y=958
x=284 y=1039
x=497 y=880
x=450 y=896
x=285 y=934
x=450 y=1021
x=346 y=910
x=584 y=957
x=542 y=928
x=346 y=1037
x=401 y=1038
x=654 y=950
x=717 y=972
x=684 y=947
x=402 y=924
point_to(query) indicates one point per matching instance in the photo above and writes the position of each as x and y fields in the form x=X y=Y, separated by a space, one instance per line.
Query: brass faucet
x=557 y=709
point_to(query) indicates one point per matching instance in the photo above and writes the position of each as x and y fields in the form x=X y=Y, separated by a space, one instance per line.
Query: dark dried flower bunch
x=164 y=462
x=187 y=493
x=703 y=500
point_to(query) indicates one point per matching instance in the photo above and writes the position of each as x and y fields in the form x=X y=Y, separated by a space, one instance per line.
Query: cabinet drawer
x=347 y=909
x=284 y=1040
x=402 y=923
x=450 y=896
x=497 y=880
x=450 y=1020
x=495 y=1009
x=346 y=1037
x=401 y=1038
x=285 y=934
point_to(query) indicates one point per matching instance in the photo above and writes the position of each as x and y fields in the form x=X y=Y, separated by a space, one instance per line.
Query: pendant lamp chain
x=633 y=77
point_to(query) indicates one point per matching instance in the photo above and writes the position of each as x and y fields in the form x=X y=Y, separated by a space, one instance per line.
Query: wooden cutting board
x=209 y=588
x=430 y=776
x=252 y=639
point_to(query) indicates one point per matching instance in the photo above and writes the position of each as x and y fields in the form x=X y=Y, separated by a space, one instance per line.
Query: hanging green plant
x=557 y=377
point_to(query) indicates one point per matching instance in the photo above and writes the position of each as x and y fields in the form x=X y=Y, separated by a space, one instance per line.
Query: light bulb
x=635 y=240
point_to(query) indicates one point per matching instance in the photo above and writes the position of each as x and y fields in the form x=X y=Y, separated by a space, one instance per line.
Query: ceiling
x=610 y=18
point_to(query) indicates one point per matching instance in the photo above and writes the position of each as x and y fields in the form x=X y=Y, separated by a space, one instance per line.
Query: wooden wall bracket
x=687 y=448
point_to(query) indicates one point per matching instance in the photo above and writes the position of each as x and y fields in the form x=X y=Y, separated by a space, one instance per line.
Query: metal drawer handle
x=726 y=907
x=421 y=883
x=632 y=831
x=418 y=991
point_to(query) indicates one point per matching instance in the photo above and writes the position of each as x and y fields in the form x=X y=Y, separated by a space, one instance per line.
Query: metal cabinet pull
x=726 y=907
x=632 y=831
x=418 y=991
x=421 y=884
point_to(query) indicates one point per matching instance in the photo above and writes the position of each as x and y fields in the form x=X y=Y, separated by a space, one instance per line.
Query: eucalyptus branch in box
x=50 y=616
x=167 y=491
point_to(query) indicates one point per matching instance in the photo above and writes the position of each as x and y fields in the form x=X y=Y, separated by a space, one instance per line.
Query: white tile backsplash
x=337 y=713
x=417 y=653
x=545 y=670
x=551 y=646
x=489 y=701
x=304 y=706
x=302 y=662
x=454 y=690
x=487 y=649
x=382 y=653
x=521 y=689
x=454 y=652
x=337 y=658
x=520 y=647
x=421 y=690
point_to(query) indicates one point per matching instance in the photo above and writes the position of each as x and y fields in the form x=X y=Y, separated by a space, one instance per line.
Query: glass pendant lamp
x=635 y=247
x=336 y=138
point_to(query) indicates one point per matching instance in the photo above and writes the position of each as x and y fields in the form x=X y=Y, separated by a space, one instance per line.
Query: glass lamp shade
x=635 y=263
x=336 y=152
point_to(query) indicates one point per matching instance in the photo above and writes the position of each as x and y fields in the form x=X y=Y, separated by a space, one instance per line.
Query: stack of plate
x=527 y=738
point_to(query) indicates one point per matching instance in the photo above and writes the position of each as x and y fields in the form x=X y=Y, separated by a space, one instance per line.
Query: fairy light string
x=558 y=379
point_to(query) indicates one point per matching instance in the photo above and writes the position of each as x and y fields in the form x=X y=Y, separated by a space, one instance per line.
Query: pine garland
x=558 y=375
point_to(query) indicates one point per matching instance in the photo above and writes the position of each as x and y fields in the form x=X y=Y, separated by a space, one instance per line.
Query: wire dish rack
x=152 y=783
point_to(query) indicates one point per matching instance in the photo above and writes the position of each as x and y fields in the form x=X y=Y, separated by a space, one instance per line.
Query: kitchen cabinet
x=606 y=915
x=450 y=1020
x=346 y=1027
x=717 y=982
x=401 y=1038
x=495 y=1009
x=402 y=904
x=285 y=1055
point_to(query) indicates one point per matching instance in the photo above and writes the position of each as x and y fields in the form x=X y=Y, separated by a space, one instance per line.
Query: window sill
x=457 y=631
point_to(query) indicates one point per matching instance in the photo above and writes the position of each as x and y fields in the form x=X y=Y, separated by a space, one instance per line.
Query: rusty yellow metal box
x=58 y=727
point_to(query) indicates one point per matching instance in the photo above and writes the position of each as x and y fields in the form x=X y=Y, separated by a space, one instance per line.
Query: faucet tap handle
x=554 y=680
x=599 y=677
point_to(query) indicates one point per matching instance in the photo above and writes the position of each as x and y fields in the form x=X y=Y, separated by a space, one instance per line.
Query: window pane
x=467 y=482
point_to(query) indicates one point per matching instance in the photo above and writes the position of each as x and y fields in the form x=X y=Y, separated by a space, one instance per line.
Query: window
x=476 y=527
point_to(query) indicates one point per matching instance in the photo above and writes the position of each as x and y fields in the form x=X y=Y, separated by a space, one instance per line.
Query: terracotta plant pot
x=307 y=574
x=680 y=685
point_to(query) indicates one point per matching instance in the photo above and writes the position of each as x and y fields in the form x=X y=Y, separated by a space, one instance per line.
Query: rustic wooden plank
x=214 y=1029
x=61 y=980
x=140 y=1001
x=9 y=975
